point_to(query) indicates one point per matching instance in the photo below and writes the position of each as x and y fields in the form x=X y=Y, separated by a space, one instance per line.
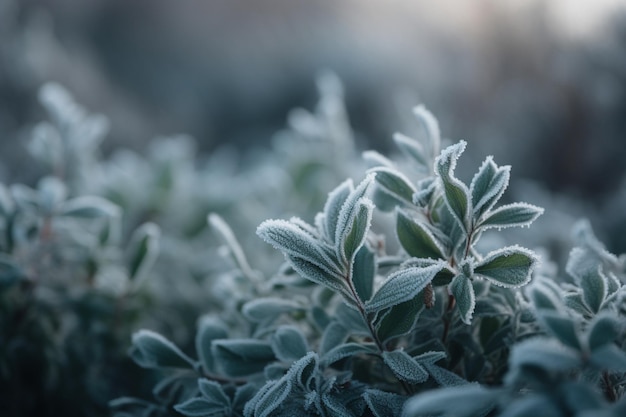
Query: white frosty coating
x=362 y=220
x=488 y=185
x=431 y=126
x=293 y=241
x=444 y=169
x=463 y=291
x=405 y=367
x=508 y=276
x=347 y=212
x=402 y=286
x=336 y=199
x=411 y=148
x=511 y=215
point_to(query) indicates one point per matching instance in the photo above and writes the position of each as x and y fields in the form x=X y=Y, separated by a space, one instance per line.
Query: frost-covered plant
x=348 y=327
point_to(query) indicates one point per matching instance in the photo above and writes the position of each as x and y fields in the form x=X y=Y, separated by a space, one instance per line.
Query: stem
x=609 y=389
x=446 y=318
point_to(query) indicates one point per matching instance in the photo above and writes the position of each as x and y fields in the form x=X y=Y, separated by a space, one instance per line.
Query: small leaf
x=411 y=148
x=209 y=329
x=405 y=367
x=348 y=212
x=400 y=319
x=401 y=286
x=89 y=207
x=455 y=192
x=363 y=273
x=511 y=215
x=561 y=327
x=200 y=407
x=595 y=289
x=547 y=354
x=463 y=292
x=151 y=350
x=142 y=251
x=603 y=330
x=488 y=185
x=357 y=233
x=508 y=267
x=416 y=239
x=268 y=309
x=443 y=377
x=543 y=298
x=334 y=335
x=335 y=201
x=289 y=344
x=314 y=273
x=393 y=182
x=242 y=357
x=347 y=350
x=231 y=242
x=384 y=404
x=213 y=392
x=462 y=401
x=609 y=357
x=431 y=128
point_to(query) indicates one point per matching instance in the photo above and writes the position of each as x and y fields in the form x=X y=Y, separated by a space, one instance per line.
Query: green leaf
x=431 y=128
x=560 y=326
x=595 y=289
x=393 y=182
x=289 y=344
x=347 y=350
x=603 y=330
x=456 y=193
x=488 y=185
x=609 y=357
x=405 y=367
x=90 y=207
x=363 y=273
x=509 y=267
x=314 y=273
x=348 y=211
x=242 y=357
x=511 y=215
x=213 y=392
x=543 y=298
x=228 y=237
x=335 y=201
x=463 y=292
x=547 y=354
x=151 y=350
x=463 y=401
x=200 y=407
x=296 y=243
x=355 y=237
x=142 y=251
x=209 y=329
x=334 y=335
x=411 y=148
x=401 y=286
x=384 y=404
x=268 y=309
x=416 y=239
x=399 y=319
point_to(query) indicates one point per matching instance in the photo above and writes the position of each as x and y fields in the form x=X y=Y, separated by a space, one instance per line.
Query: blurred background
x=540 y=84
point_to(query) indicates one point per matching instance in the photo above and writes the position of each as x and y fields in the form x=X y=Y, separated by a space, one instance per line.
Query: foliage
x=398 y=298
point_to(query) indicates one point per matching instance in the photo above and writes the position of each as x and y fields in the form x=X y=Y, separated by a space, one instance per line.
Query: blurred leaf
x=209 y=329
x=151 y=350
x=242 y=357
x=289 y=344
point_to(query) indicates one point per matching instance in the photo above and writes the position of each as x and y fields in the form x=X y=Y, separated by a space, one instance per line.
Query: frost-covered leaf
x=201 y=407
x=151 y=350
x=142 y=251
x=357 y=232
x=384 y=404
x=213 y=392
x=209 y=329
x=609 y=357
x=463 y=401
x=443 y=377
x=561 y=326
x=543 y=298
x=412 y=149
x=347 y=350
x=509 y=267
x=349 y=210
x=463 y=291
x=363 y=273
x=488 y=185
x=431 y=128
x=89 y=207
x=395 y=183
x=511 y=215
x=375 y=159
x=402 y=286
x=603 y=330
x=405 y=367
x=595 y=289
x=399 y=319
x=334 y=335
x=231 y=242
x=456 y=193
x=416 y=239
x=547 y=354
x=295 y=242
x=268 y=309
x=335 y=201
x=314 y=273
x=289 y=343
x=242 y=357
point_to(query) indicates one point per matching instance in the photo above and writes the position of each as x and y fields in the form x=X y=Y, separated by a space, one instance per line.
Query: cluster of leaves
x=423 y=324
